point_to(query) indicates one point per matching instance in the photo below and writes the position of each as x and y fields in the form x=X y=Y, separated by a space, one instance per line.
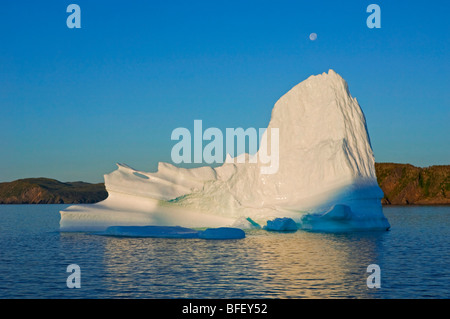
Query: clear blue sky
x=76 y=101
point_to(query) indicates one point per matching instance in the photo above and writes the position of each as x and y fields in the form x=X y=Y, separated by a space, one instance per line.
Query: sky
x=73 y=102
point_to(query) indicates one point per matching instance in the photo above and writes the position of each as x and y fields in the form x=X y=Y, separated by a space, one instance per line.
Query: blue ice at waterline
x=173 y=232
x=281 y=224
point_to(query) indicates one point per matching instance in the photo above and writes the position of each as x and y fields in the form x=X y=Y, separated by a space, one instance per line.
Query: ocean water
x=413 y=257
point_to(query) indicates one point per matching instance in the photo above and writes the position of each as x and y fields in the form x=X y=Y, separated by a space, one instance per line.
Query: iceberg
x=325 y=180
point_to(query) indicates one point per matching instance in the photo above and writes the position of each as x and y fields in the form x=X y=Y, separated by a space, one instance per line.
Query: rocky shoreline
x=405 y=184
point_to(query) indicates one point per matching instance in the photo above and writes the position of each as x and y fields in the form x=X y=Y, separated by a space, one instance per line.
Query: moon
x=313 y=36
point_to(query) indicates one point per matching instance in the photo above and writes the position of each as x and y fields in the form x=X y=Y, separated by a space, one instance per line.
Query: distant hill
x=402 y=184
x=50 y=191
x=405 y=184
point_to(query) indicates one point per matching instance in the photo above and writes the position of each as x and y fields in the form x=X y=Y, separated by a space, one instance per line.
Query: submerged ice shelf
x=173 y=232
x=325 y=181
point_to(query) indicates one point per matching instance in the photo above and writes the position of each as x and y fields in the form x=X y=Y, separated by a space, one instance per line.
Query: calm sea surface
x=414 y=259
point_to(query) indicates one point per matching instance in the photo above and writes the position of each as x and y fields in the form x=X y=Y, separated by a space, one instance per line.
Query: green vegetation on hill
x=405 y=184
x=50 y=191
